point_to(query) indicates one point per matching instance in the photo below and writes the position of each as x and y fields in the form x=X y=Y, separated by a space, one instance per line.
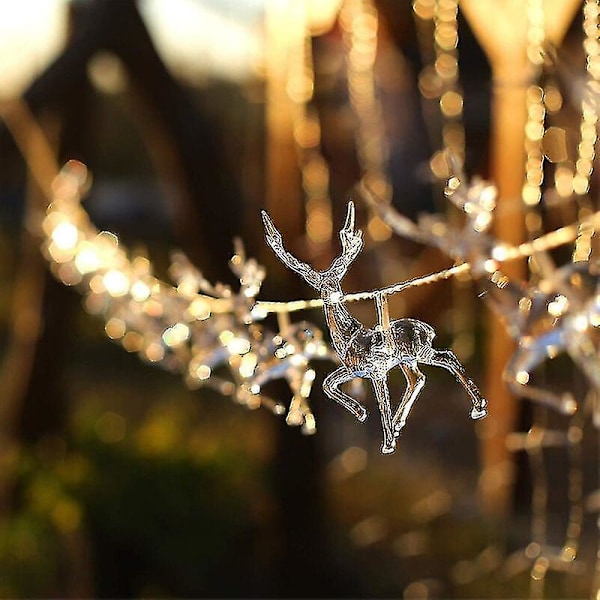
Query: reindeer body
x=370 y=353
x=366 y=351
x=406 y=341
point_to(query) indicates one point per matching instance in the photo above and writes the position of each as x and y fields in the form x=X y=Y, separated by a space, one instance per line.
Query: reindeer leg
x=331 y=386
x=300 y=412
x=527 y=358
x=447 y=360
x=413 y=389
x=382 y=393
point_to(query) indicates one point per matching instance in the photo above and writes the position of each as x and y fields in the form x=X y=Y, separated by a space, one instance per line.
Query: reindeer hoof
x=398 y=427
x=388 y=448
x=478 y=413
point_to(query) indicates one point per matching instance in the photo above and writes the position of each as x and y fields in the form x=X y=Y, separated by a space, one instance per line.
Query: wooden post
x=501 y=27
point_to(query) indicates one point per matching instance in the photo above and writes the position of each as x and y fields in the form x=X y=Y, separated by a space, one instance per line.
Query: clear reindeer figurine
x=370 y=353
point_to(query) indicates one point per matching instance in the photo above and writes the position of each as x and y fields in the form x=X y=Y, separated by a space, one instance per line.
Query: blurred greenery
x=161 y=507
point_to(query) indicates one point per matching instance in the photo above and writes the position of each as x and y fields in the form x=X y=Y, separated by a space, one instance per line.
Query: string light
x=567 y=180
x=588 y=135
x=307 y=132
x=439 y=79
x=538 y=556
x=195 y=328
x=359 y=22
x=443 y=101
x=370 y=353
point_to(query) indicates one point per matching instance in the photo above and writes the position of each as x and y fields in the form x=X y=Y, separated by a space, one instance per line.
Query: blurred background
x=118 y=481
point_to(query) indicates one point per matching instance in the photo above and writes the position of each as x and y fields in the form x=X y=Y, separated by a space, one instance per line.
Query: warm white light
x=298 y=360
x=199 y=309
x=200 y=371
x=87 y=259
x=116 y=283
x=238 y=345
x=580 y=323
x=65 y=236
x=499 y=253
x=140 y=291
x=558 y=306
x=154 y=352
x=176 y=335
x=115 y=328
x=487 y=199
x=258 y=312
x=226 y=336
x=248 y=364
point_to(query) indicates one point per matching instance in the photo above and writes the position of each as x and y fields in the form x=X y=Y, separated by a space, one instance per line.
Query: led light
x=140 y=291
x=580 y=323
x=201 y=372
x=238 y=345
x=500 y=252
x=65 y=236
x=116 y=283
x=87 y=259
x=558 y=306
x=248 y=365
x=115 y=328
x=226 y=337
x=154 y=352
x=176 y=335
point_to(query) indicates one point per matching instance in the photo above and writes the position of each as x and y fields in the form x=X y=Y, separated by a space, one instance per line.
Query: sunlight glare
x=32 y=33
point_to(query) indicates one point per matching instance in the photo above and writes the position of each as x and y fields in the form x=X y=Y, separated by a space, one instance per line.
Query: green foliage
x=157 y=509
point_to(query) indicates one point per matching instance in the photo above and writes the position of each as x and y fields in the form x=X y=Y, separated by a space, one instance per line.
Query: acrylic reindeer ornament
x=370 y=353
x=289 y=356
x=210 y=333
x=558 y=314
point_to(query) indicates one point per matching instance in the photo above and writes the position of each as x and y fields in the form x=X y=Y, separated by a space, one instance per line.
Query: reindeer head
x=329 y=279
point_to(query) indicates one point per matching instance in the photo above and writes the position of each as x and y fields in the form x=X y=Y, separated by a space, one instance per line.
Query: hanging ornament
x=210 y=333
x=370 y=353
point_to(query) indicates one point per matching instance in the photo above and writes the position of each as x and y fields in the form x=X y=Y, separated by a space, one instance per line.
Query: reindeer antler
x=352 y=243
x=352 y=239
x=275 y=241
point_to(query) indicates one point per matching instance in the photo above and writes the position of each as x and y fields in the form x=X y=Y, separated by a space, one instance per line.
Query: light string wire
x=153 y=318
x=451 y=99
x=584 y=166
